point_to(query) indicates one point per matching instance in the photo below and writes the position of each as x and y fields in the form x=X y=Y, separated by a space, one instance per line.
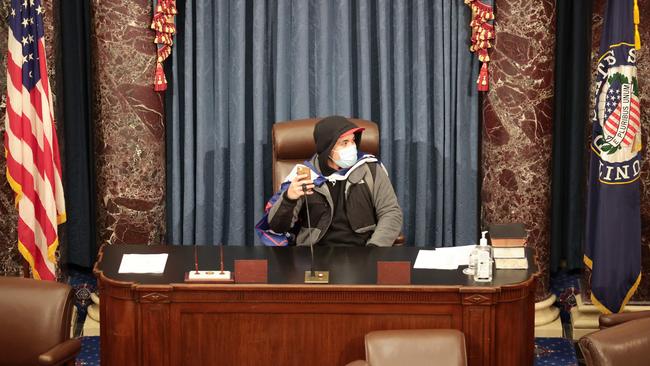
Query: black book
x=508 y=235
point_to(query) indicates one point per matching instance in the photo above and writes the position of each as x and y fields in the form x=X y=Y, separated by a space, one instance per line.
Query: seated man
x=349 y=195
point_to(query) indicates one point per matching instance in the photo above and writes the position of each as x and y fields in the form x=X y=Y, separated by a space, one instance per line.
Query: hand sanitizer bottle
x=473 y=255
x=483 y=269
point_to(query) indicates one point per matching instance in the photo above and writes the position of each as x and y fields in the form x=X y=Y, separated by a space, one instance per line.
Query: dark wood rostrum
x=160 y=320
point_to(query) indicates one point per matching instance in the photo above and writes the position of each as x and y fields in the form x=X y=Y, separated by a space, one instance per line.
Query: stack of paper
x=443 y=258
x=143 y=263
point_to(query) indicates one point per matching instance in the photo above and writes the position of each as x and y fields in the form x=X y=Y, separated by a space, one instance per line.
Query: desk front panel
x=159 y=323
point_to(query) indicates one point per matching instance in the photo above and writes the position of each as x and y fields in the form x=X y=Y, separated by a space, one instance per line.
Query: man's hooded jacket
x=353 y=206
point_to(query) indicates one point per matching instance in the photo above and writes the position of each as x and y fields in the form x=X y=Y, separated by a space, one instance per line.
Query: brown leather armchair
x=293 y=143
x=414 y=347
x=624 y=339
x=35 y=320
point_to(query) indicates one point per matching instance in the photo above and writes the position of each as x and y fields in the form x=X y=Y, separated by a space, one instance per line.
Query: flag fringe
x=30 y=260
x=599 y=305
x=637 y=36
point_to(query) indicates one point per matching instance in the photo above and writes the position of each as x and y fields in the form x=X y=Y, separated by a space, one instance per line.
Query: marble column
x=642 y=294
x=128 y=121
x=11 y=262
x=517 y=124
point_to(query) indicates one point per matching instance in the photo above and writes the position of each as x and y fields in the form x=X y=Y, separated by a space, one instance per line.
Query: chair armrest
x=399 y=241
x=358 y=363
x=626 y=344
x=610 y=320
x=61 y=353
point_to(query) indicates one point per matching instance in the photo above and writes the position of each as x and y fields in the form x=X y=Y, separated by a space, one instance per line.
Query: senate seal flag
x=613 y=226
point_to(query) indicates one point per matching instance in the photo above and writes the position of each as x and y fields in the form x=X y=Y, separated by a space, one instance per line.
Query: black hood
x=327 y=131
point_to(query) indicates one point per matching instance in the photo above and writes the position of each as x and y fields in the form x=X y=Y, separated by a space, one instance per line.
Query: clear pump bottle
x=471 y=264
x=483 y=260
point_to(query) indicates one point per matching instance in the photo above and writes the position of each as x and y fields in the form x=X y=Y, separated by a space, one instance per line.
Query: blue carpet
x=89 y=355
x=555 y=352
x=83 y=283
x=548 y=352
x=565 y=285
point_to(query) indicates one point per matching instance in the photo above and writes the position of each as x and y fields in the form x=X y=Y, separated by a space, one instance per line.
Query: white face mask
x=347 y=156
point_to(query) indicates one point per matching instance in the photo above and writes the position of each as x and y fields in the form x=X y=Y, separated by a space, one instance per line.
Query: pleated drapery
x=240 y=66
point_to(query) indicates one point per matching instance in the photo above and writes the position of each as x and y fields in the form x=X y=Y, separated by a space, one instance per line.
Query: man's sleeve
x=389 y=214
x=284 y=213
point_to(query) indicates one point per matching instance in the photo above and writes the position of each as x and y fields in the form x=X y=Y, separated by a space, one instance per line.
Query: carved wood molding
x=322 y=297
x=476 y=299
x=154 y=297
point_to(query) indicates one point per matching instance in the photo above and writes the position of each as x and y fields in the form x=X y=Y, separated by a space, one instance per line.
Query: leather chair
x=35 y=320
x=624 y=339
x=293 y=143
x=415 y=347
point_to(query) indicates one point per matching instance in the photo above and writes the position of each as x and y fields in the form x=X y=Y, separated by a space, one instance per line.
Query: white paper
x=430 y=259
x=460 y=254
x=143 y=263
x=443 y=258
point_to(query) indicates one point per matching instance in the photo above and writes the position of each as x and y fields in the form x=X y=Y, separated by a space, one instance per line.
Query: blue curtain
x=240 y=66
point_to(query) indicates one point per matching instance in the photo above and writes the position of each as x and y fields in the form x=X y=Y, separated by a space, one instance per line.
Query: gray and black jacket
x=371 y=206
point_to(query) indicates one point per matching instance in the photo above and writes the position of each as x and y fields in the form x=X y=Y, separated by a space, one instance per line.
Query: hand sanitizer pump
x=483 y=272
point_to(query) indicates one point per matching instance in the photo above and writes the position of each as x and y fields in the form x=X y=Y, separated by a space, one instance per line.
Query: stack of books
x=508 y=245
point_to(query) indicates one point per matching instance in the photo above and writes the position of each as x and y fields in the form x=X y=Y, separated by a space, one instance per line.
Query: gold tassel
x=160 y=82
x=483 y=78
x=637 y=36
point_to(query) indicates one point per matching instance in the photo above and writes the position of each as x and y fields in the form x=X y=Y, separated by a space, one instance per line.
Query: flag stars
x=31 y=56
x=24 y=3
x=25 y=22
x=39 y=10
x=24 y=59
x=30 y=75
x=24 y=41
x=30 y=38
x=13 y=12
x=31 y=2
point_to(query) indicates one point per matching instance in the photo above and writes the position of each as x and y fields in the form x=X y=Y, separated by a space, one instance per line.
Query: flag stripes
x=31 y=147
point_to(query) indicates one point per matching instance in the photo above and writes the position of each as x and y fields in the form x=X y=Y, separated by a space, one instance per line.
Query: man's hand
x=295 y=190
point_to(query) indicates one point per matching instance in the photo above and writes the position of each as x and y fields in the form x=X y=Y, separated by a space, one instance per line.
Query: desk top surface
x=287 y=265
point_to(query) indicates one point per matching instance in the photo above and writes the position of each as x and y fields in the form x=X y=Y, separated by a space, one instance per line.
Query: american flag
x=31 y=147
x=613 y=109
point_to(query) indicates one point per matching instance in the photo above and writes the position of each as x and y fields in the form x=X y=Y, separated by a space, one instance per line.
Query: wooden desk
x=159 y=320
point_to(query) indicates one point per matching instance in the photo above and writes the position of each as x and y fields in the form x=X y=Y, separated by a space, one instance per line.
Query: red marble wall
x=10 y=259
x=128 y=123
x=517 y=124
x=643 y=71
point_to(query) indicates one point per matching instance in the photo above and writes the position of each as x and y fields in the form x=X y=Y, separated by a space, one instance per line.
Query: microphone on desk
x=311 y=240
x=312 y=276
x=196 y=260
x=221 y=258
